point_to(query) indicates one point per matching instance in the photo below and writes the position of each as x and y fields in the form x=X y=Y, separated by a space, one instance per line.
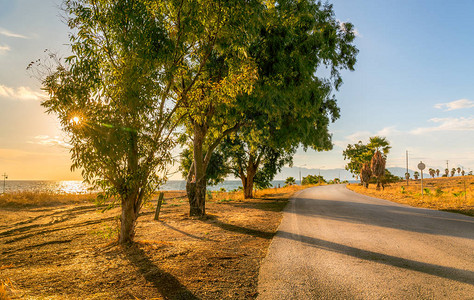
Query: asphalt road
x=336 y=244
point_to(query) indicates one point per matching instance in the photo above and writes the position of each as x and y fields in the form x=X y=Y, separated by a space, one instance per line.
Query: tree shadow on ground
x=187 y=233
x=459 y=275
x=165 y=284
x=240 y=229
x=265 y=204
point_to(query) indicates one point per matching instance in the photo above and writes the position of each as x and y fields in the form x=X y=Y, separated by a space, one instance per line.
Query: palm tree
x=365 y=174
x=432 y=172
x=377 y=166
x=378 y=143
x=290 y=181
x=453 y=171
x=416 y=175
x=437 y=172
x=459 y=170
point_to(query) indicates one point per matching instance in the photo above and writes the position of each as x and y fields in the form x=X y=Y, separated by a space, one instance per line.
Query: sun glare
x=75 y=120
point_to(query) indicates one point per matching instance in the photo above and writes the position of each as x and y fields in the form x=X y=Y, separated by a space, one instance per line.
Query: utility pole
x=319 y=175
x=301 y=183
x=5 y=177
x=447 y=167
x=407 y=175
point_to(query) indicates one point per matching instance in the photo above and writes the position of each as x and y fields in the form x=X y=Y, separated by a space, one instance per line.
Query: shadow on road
x=460 y=275
x=390 y=216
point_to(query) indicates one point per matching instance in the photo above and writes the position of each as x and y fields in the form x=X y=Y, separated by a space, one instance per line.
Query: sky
x=413 y=84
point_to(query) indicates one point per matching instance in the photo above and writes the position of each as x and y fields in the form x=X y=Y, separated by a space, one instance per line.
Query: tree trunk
x=128 y=219
x=197 y=198
x=248 y=179
x=248 y=187
x=131 y=200
x=196 y=181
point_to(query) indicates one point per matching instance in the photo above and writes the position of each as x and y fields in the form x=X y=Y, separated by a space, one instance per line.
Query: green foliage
x=458 y=194
x=439 y=192
x=390 y=178
x=313 y=179
x=403 y=189
x=360 y=153
x=427 y=191
x=288 y=106
x=290 y=181
x=266 y=161
x=216 y=169
x=113 y=97
x=208 y=195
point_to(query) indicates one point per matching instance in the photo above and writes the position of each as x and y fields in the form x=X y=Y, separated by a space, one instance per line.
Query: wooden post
x=158 y=206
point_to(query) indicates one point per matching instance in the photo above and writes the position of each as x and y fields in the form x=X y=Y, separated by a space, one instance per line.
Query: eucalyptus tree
x=458 y=169
x=437 y=172
x=357 y=154
x=453 y=171
x=289 y=105
x=225 y=71
x=113 y=98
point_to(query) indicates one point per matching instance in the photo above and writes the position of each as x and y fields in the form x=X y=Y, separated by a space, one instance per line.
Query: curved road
x=336 y=244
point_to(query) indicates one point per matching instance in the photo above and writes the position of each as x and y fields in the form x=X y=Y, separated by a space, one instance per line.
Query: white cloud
x=364 y=136
x=20 y=93
x=47 y=140
x=457 y=104
x=4 y=48
x=448 y=124
x=8 y=33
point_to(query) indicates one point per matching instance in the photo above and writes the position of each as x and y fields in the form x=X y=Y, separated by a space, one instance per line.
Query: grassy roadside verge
x=453 y=194
x=60 y=252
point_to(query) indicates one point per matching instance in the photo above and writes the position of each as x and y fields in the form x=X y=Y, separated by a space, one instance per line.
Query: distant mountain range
x=330 y=173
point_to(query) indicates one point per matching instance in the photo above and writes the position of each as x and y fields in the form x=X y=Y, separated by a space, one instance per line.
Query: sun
x=76 y=120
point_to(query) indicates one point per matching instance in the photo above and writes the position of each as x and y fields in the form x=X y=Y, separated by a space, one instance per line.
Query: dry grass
x=69 y=251
x=454 y=194
x=5 y=289
x=271 y=193
x=36 y=199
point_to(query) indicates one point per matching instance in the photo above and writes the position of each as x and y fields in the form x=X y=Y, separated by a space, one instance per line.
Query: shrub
x=439 y=192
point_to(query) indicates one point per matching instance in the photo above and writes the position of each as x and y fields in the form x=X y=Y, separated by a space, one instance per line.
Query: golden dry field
x=453 y=194
x=55 y=248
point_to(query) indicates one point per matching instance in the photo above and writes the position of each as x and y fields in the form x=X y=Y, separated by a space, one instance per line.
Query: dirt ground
x=70 y=251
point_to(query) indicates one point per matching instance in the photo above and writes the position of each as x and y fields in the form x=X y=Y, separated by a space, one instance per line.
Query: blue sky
x=413 y=83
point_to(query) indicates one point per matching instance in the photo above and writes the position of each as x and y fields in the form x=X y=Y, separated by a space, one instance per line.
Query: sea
x=78 y=187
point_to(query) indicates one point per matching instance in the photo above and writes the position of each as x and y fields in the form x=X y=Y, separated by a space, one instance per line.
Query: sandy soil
x=69 y=251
